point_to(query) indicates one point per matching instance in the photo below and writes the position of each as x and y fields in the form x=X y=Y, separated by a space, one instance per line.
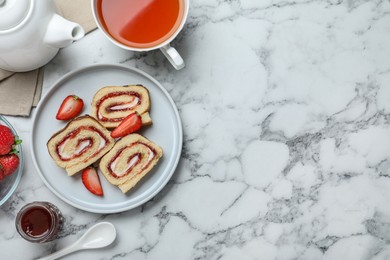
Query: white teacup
x=170 y=53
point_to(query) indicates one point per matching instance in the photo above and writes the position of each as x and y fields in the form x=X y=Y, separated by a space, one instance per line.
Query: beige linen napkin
x=21 y=91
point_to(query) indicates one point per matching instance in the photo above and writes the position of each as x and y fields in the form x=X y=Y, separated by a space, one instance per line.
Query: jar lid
x=13 y=13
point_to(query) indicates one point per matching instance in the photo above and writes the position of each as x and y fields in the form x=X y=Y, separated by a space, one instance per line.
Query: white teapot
x=31 y=33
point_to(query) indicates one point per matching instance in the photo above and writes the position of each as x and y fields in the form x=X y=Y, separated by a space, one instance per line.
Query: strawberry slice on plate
x=70 y=108
x=130 y=124
x=91 y=181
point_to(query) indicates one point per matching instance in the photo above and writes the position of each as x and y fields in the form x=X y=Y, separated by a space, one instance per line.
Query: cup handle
x=173 y=56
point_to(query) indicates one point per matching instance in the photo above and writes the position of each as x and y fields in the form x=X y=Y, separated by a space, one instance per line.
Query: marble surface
x=286 y=116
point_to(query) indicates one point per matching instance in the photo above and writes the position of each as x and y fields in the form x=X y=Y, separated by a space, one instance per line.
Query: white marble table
x=285 y=108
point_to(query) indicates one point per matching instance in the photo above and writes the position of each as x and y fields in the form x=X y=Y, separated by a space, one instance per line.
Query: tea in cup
x=143 y=25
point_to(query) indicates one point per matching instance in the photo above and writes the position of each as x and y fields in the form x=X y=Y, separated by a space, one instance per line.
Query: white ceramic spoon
x=97 y=236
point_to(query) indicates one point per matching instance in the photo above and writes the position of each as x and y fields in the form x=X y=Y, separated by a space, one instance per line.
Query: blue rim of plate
x=175 y=163
x=21 y=164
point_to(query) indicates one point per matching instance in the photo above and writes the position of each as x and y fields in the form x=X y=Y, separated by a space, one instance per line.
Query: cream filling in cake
x=67 y=155
x=61 y=150
x=84 y=144
x=120 y=106
x=122 y=172
x=133 y=161
x=102 y=143
x=127 y=105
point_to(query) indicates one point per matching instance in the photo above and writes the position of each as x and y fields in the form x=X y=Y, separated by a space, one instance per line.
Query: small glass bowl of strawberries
x=11 y=160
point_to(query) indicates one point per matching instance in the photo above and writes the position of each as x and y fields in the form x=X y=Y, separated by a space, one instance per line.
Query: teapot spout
x=61 y=32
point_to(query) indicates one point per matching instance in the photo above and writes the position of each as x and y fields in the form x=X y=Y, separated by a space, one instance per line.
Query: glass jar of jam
x=39 y=222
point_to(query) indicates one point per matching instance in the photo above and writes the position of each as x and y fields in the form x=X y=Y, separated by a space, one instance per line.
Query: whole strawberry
x=8 y=164
x=7 y=139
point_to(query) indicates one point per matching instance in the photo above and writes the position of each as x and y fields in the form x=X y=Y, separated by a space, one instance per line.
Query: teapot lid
x=13 y=13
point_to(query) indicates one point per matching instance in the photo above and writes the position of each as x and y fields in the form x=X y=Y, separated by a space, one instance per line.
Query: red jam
x=108 y=109
x=39 y=222
x=36 y=222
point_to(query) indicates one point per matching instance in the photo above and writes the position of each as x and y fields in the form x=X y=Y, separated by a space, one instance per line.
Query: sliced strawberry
x=130 y=124
x=70 y=108
x=9 y=164
x=91 y=181
x=7 y=139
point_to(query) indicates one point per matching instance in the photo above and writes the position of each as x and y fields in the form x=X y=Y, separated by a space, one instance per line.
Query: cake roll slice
x=131 y=158
x=79 y=144
x=112 y=104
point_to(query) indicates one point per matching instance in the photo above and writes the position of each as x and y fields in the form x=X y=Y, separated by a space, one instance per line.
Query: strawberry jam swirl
x=132 y=161
x=82 y=145
x=117 y=106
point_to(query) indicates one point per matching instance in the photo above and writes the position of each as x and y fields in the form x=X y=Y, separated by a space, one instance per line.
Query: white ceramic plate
x=166 y=131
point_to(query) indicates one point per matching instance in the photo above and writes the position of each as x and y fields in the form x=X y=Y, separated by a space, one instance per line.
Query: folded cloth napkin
x=21 y=91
